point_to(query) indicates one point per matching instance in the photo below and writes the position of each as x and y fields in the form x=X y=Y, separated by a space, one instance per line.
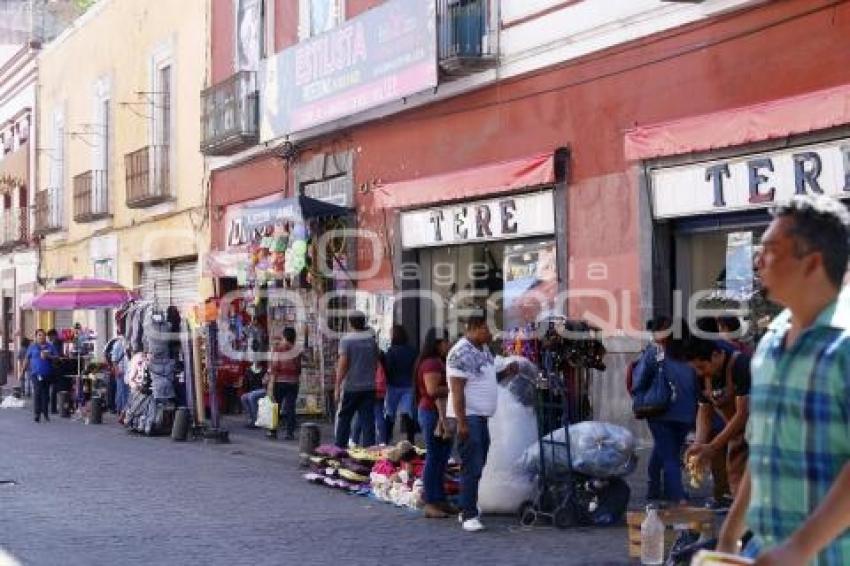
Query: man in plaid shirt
x=795 y=497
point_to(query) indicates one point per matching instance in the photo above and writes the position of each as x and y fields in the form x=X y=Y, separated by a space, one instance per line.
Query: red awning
x=769 y=120
x=502 y=177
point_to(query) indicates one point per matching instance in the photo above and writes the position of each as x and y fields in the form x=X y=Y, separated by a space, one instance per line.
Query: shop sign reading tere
x=511 y=216
x=752 y=181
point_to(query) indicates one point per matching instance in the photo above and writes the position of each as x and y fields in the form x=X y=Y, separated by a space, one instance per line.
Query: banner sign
x=383 y=55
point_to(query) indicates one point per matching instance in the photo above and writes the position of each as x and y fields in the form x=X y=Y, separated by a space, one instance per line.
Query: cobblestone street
x=94 y=495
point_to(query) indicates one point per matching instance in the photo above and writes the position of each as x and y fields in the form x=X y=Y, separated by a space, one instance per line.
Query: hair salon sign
x=753 y=181
x=511 y=216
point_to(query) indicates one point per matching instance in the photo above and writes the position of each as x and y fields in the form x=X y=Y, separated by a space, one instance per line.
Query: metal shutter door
x=156 y=283
x=184 y=283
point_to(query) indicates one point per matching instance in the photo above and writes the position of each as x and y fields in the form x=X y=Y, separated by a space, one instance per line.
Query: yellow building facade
x=121 y=191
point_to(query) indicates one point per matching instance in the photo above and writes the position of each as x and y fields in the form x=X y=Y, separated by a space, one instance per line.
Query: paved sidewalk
x=87 y=494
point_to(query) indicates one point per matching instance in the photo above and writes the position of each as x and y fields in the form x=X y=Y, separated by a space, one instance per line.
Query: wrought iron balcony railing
x=467 y=39
x=48 y=210
x=148 y=176
x=230 y=115
x=13 y=226
x=91 y=196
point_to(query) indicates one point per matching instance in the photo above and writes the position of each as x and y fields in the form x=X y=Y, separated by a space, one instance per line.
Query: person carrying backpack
x=665 y=394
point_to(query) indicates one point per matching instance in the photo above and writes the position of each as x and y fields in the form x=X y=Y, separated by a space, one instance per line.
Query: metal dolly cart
x=564 y=497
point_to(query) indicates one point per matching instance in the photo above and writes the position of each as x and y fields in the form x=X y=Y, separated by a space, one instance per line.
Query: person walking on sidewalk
x=39 y=363
x=473 y=396
x=354 y=389
x=286 y=378
x=795 y=497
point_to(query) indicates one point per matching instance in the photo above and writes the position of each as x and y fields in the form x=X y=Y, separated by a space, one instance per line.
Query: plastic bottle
x=651 y=538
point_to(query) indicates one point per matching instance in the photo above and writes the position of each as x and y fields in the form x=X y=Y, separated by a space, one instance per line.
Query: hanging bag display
x=654 y=393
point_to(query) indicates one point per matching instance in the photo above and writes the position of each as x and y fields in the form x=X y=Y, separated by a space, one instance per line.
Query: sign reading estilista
x=751 y=181
x=385 y=54
x=511 y=216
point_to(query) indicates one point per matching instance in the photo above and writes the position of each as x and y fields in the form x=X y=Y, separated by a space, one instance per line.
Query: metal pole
x=188 y=368
x=212 y=355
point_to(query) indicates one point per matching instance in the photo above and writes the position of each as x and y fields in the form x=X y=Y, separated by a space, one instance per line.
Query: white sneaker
x=473 y=525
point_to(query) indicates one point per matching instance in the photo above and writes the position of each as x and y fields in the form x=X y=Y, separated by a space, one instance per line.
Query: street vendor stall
x=79 y=294
x=279 y=259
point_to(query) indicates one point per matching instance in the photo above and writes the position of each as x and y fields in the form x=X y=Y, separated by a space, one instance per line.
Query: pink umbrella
x=82 y=294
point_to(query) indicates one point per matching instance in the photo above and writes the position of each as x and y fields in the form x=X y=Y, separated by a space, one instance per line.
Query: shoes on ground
x=432 y=511
x=473 y=525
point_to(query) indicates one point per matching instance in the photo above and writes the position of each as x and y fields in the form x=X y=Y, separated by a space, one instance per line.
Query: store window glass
x=516 y=282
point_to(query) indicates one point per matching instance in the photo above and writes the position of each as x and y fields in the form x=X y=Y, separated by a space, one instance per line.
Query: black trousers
x=40 y=396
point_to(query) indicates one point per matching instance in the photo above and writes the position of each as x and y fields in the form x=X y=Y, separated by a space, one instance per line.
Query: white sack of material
x=505 y=485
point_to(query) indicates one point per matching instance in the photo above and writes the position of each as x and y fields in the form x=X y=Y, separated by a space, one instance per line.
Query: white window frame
x=57 y=167
x=305 y=22
x=163 y=56
x=103 y=133
x=266 y=46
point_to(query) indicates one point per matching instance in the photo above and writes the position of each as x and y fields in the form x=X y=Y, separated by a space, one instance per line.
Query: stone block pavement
x=91 y=495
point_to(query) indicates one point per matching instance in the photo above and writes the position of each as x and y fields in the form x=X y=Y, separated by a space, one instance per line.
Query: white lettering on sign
x=752 y=181
x=511 y=216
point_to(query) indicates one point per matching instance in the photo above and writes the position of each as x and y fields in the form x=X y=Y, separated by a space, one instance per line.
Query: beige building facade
x=122 y=189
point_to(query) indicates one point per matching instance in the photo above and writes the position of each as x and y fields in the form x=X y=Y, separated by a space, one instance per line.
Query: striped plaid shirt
x=799 y=425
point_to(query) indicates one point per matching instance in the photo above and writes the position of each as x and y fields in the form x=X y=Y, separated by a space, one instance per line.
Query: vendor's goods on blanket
x=391 y=474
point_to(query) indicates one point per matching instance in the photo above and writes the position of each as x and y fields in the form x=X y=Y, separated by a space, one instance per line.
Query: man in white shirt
x=473 y=395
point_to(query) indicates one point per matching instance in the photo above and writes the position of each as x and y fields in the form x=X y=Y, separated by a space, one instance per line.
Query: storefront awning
x=295 y=209
x=224 y=263
x=502 y=177
x=770 y=120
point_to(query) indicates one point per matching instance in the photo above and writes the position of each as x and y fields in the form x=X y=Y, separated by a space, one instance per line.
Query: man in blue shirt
x=39 y=362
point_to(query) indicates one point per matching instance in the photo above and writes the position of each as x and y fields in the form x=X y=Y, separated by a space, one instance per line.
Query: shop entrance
x=515 y=281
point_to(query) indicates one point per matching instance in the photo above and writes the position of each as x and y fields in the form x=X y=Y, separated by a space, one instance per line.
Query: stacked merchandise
x=389 y=474
x=337 y=468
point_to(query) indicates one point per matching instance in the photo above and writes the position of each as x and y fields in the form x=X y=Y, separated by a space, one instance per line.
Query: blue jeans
x=361 y=403
x=436 y=460
x=380 y=426
x=399 y=399
x=251 y=402
x=666 y=459
x=473 y=455
x=122 y=393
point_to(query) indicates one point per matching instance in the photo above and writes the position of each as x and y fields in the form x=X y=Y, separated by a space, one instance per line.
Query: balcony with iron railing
x=48 y=211
x=91 y=196
x=230 y=115
x=148 y=176
x=13 y=226
x=467 y=38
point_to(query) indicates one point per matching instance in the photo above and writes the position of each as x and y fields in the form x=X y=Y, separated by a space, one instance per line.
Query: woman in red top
x=285 y=378
x=433 y=390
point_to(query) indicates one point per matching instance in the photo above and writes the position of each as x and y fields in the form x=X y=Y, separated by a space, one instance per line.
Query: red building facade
x=581 y=112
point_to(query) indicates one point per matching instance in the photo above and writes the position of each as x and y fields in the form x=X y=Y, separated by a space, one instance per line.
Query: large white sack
x=505 y=485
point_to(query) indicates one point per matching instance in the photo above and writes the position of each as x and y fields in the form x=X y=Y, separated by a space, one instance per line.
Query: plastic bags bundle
x=505 y=485
x=598 y=449
x=523 y=384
